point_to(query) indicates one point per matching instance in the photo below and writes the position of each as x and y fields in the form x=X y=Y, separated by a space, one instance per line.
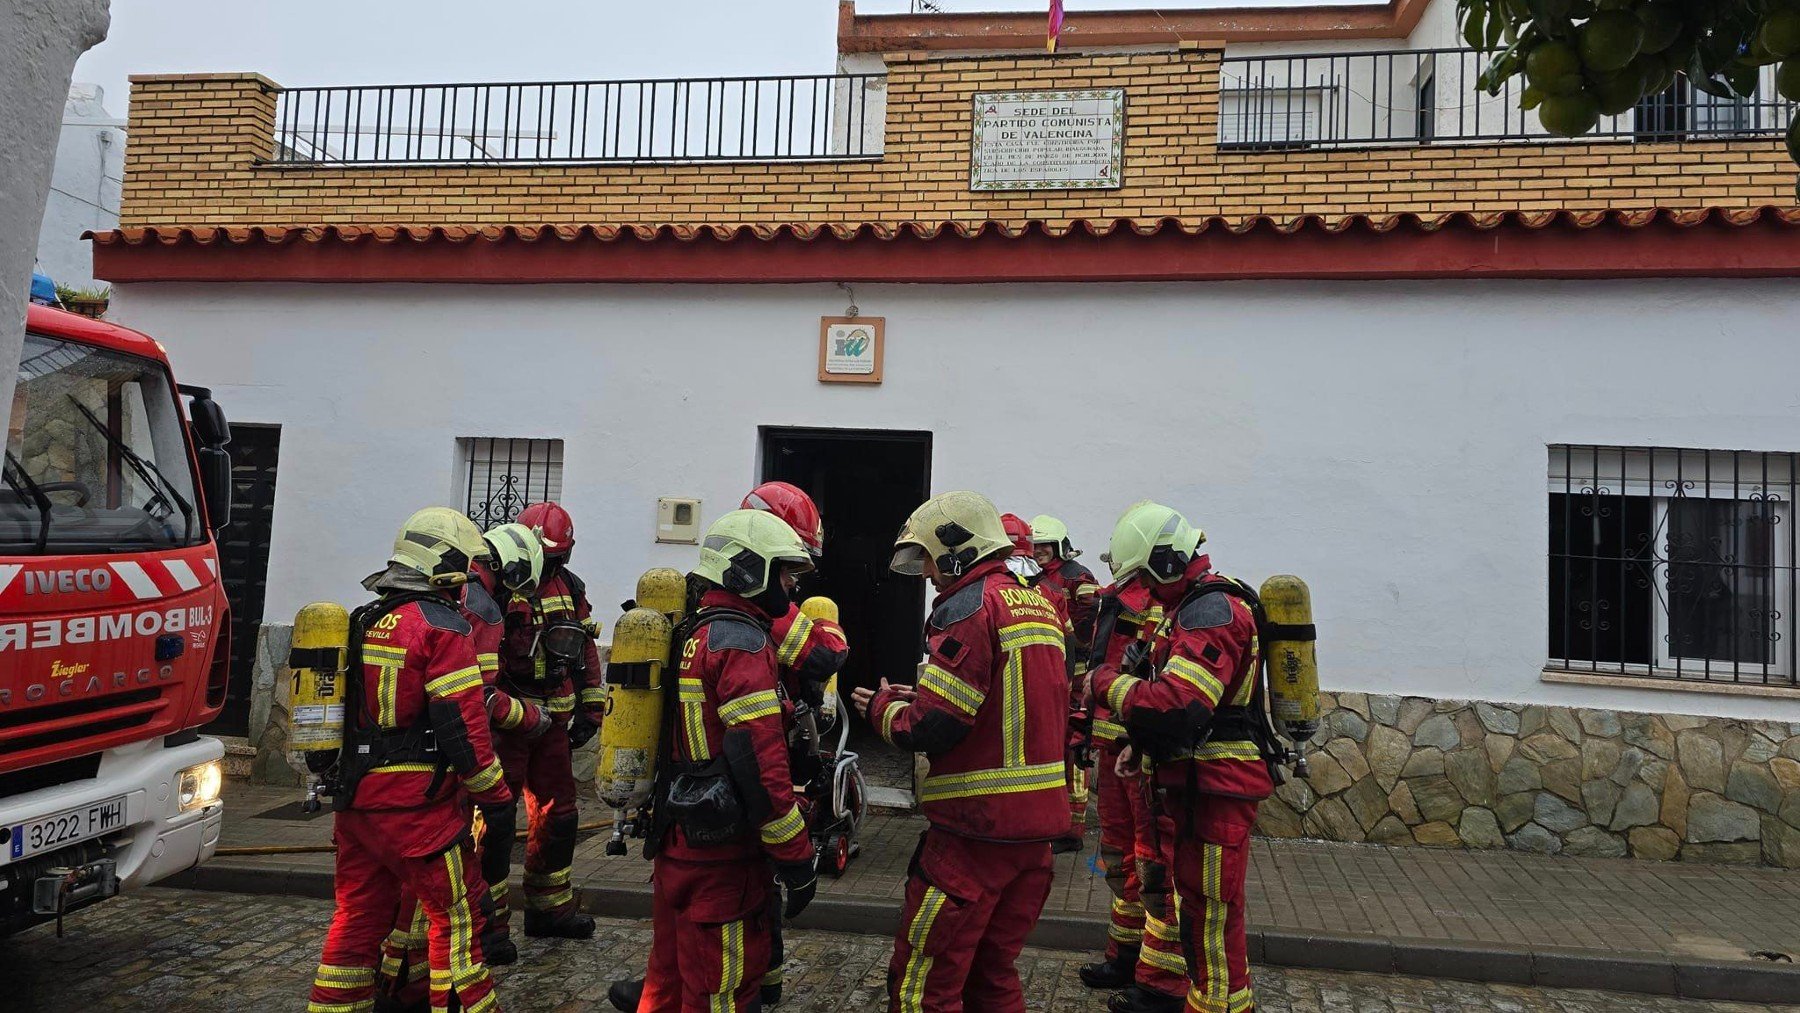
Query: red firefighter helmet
x=1019 y=532
x=793 y=505
x=553 y=526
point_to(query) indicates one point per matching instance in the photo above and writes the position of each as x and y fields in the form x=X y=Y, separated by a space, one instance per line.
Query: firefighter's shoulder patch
x=478 y=603
x=443 y=616
x=735 y=635
x=949 y=611
x=1205 y=611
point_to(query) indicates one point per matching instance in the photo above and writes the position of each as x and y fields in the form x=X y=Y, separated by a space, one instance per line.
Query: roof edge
x=902 y=33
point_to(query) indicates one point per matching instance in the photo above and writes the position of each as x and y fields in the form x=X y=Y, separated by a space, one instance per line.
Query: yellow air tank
x=631 y=736
x=664 y=590
x=316 y=690
x=1293 y=664
x=821 y=607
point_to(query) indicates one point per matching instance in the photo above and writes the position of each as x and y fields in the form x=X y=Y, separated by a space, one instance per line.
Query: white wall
x=84 y=188
x=1385 y=440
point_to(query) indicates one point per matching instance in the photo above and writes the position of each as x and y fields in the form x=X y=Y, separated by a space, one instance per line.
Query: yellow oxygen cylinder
x=315 y=701
x=821 y=607
x=664 y=590
x=1293 y=665
x=630 y=737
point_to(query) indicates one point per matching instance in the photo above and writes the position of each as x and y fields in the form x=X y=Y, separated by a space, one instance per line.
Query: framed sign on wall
x=1048 y=140
x=850 y=349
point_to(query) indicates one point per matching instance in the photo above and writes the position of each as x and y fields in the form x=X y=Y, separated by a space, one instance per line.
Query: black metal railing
x=1427 y=96
x=1669 y=563
x=761 y=119
x=504 y=476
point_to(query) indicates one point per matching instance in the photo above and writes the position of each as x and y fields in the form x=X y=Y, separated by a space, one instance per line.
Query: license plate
x=66 y=827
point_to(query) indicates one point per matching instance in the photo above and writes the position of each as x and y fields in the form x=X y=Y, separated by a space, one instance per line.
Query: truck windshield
x=96 y=455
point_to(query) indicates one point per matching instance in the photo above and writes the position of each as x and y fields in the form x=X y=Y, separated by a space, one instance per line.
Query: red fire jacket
x=1204 y=658
x=809 y=650
x=561 y=596
x=1137 y=620
x=1078 y=587
x=729 y=688
x=481 y=607
x=416 y=655
x=991 y=711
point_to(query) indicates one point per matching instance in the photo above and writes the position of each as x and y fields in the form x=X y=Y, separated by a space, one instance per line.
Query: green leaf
x=1472 y=28
x=1496 y=25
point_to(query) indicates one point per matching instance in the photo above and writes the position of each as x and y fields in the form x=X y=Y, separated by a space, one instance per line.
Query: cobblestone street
x=212 y=952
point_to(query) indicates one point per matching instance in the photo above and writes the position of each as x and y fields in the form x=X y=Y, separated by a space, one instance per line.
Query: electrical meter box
x=678 y=520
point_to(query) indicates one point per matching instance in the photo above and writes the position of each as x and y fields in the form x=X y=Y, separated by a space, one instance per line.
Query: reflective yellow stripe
x=1115 y=695
x=460 y=681
x=887 y=720
x=1124 y=934
x=1107 y=731
x=405 y=768
x=1012 y=711
x=784 y=828
x=1163 y=960
x=1212 y=914
x=1194 y=675
x=549 y=901
x=691 y=690
x=384 y=654
x=558 y=877
x=591 y=696
x=789 y=651
x=485 y=1004
x=731 y=966
x=515 y=714
x=387 y=692
x=918 y=965
x=560 y=704
x=359 y=1006
x=750 y=706
x=485 y=778
x=1241 y=1000
x=1028 y=634
x=338 y=976
x=488 y=663
x=692 y=694
x=462 y=962
x=1241 y=697
x=1127 y=908
x=939 y=787
x=957 y=693
x=557 y=603
x=1235 y=750
x=1161 y=930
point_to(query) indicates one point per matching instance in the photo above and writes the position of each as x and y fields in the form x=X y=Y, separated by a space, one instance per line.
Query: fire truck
x=114 y=627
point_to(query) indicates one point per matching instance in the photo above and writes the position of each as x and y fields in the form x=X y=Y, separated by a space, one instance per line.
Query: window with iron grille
x=1673 y=563
x=503 y=476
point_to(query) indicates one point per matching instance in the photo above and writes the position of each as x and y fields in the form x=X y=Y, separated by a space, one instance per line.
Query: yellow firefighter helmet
x=517 y=556
x=1155 y=539
x=955 y=530
x=441 y=544
x=744 y=549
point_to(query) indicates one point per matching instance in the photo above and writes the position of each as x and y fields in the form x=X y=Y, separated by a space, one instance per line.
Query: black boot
x=771 y=994
x=1138 y=999
x=1064 y=845
x=385 y=1003
x=1116 y=973
x=565 y=924
x=498 y=951
x=624 y=995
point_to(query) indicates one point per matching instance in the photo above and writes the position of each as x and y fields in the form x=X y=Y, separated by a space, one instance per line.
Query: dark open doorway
x=244 y=561
x=866 y=482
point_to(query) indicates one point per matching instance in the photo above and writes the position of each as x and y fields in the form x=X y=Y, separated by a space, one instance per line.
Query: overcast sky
x=331 y=42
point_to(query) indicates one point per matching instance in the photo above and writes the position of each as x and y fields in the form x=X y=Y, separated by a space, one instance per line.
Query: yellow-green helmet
x=955 y=530
x=1047 y=530
x=1155 y=539
x=441 y=544
x=518 y=556
x=741 y=550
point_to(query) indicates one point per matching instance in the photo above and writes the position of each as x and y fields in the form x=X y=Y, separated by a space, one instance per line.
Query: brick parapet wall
x=196 y=143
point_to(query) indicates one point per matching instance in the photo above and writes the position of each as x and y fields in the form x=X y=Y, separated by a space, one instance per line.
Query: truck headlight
x=200 y=785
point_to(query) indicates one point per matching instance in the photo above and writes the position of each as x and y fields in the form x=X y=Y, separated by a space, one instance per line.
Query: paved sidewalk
x=1493 y=916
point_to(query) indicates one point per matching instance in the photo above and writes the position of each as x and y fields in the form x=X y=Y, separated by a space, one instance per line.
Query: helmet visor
x=908 y=560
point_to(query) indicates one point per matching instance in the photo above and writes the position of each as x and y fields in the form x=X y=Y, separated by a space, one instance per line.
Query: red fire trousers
x=710 y=935
x=404 y=958
x=371 y=873
x=1162 y=967
x=969 y=906
x=1212 y=859
x=539 y=770
x=1118 y=852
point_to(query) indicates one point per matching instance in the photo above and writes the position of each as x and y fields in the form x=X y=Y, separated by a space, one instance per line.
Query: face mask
x=1024 y=566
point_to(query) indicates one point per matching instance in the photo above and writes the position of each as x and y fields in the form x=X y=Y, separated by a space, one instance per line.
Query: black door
x=244 y=561
x=866 y=482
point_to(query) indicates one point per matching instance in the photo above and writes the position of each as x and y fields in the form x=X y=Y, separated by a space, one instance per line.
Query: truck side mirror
x=206 y=418
x=215 y=481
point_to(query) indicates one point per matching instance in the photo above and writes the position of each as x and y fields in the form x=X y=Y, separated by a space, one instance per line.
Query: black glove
x=800 y=882
x=543 y=723
x=1136 y=653
x=582 y=727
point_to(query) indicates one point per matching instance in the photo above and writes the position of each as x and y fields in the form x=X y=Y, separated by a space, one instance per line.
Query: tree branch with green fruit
x=1584 y=59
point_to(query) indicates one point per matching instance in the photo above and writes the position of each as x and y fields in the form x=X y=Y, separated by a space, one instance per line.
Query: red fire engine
x=114 y=628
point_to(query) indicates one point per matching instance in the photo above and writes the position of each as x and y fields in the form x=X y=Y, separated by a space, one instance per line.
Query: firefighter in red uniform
x=810 y=651
x=416 y=750
x=990 y=711
x=725 y=807
x=1024 y=563
x=548 y=658
x=1054 y=553
x=1191 y=718
x=512 y=564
